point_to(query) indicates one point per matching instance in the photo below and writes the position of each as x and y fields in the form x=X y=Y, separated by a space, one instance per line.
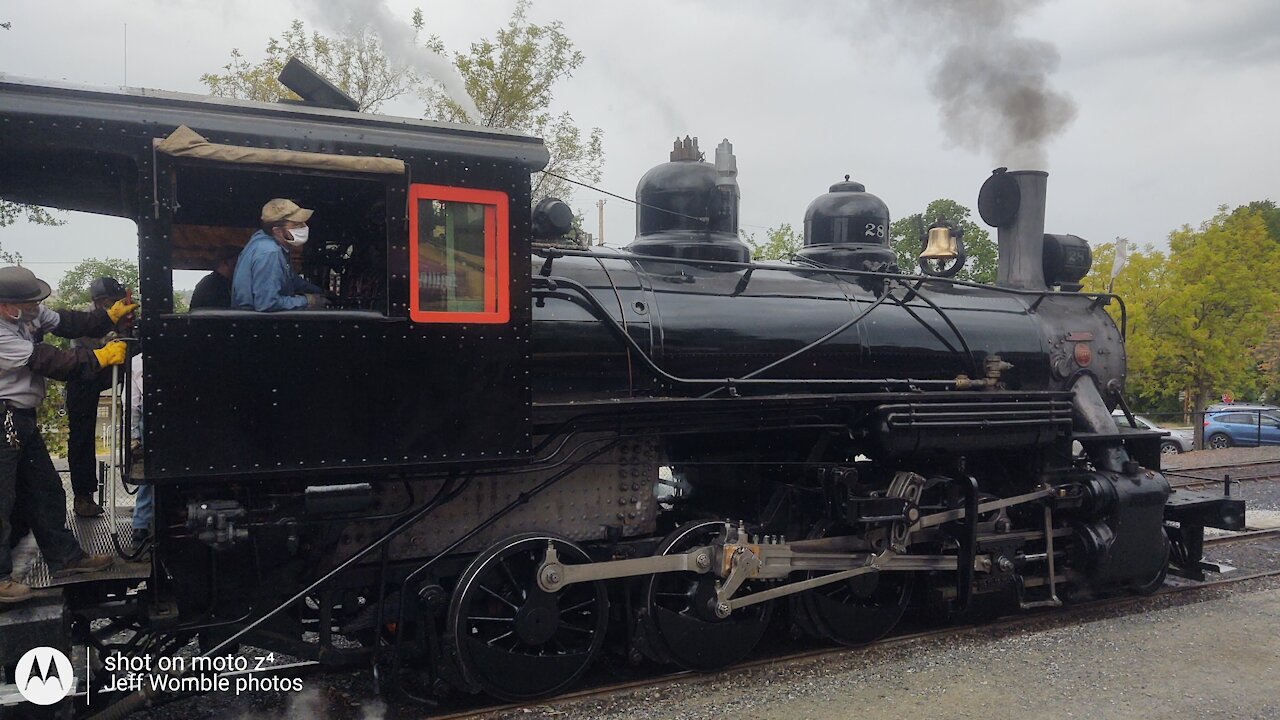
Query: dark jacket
x=213 y=291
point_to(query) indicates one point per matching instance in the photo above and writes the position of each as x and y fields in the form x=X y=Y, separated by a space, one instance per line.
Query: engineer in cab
x=263 y=279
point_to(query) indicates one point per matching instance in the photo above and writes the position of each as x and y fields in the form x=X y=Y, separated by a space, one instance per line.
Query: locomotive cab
x=418 y=277
x=415 y=252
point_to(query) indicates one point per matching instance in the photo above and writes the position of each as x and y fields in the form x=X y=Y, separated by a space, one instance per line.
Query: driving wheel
x=855 y=611
x=514 y=640
x=679 y=609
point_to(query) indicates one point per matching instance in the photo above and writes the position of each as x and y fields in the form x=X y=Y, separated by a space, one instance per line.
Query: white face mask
x=299 y=236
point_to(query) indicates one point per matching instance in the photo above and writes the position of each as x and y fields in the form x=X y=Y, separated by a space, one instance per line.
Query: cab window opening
x=217 y=210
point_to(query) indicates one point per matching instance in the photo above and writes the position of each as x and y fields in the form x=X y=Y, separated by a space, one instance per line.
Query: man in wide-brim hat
x=29 y=486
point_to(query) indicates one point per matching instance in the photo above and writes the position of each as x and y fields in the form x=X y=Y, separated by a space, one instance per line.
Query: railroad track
x=1009 y=623
x=1239 y=537
x=1211 y=475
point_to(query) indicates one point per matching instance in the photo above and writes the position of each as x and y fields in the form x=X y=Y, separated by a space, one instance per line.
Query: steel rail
x=1197 y=481
x=1239 y=537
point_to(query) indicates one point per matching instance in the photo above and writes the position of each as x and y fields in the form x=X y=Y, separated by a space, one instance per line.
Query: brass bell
x=942 y=244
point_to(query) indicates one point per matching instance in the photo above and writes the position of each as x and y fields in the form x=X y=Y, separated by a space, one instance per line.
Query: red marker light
x=1083 y=354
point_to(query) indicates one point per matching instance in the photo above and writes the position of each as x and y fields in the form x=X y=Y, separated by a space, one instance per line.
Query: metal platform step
x=94 y=535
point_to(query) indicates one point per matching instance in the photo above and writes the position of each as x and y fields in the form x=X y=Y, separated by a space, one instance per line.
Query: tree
x=353 y=62
x=983 y=255
x=512 y=80
x=1194 y=320
x=780 y=243
x=73 y=288
x=1141 y=285
x=11 y=211
x=1268 y=211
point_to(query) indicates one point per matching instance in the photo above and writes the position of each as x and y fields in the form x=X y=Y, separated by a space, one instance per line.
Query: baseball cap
x=282 y=209
x=106 y=288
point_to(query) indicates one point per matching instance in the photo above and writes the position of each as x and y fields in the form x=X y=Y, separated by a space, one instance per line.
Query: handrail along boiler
x=499 y=455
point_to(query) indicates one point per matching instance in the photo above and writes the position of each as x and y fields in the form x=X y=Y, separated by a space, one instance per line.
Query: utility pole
x=600 y=206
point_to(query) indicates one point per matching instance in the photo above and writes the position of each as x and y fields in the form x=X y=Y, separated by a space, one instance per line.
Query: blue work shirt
x=263 y=280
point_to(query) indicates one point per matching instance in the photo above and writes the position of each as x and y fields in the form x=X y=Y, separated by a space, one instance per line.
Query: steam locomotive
x=498 y=456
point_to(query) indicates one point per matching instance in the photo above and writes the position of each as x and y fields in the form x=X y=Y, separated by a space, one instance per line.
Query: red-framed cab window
x=458 y=255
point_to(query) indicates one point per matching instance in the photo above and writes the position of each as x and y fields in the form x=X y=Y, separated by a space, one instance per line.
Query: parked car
x=1247 y=407
x=1243 y=425
x=1180 y=440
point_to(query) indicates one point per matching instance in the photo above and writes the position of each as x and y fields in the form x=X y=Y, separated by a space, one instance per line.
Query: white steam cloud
x=397 y=40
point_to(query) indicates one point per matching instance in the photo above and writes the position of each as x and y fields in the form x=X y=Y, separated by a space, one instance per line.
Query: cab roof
x=59 y=139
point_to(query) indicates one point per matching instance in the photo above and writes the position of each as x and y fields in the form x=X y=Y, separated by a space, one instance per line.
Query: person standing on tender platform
x=29 y=486
x=82 y=406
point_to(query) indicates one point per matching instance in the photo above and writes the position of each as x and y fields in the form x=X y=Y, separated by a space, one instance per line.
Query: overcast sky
x=1175 y=101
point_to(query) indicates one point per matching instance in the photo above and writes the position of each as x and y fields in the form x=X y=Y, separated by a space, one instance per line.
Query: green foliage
x=780 y=243
x=512 y=80
x=1140 y=284
x=10 y=212
x=1268 y=211
x=53 y=419
x=73 y=288
x=52 y=411
x=981 y=250
x=353 y=62
x=1197 y=316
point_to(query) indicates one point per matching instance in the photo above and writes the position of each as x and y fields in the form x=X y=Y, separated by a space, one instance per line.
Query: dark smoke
x=991 y=83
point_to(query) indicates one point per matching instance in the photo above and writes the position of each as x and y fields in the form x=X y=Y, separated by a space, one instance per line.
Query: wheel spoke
x=508 y=603
x=584 y=603
x=505 y=634
x=511 y=579
x=477 y=618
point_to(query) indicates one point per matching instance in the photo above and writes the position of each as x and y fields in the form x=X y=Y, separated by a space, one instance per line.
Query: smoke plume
x=398 y=43
x=992 y=84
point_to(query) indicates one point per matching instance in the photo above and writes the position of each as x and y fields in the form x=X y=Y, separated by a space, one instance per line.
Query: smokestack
x=1014 y=203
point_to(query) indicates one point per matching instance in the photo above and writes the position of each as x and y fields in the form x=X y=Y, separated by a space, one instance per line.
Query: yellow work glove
x=119 y=310
x=113 y=353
